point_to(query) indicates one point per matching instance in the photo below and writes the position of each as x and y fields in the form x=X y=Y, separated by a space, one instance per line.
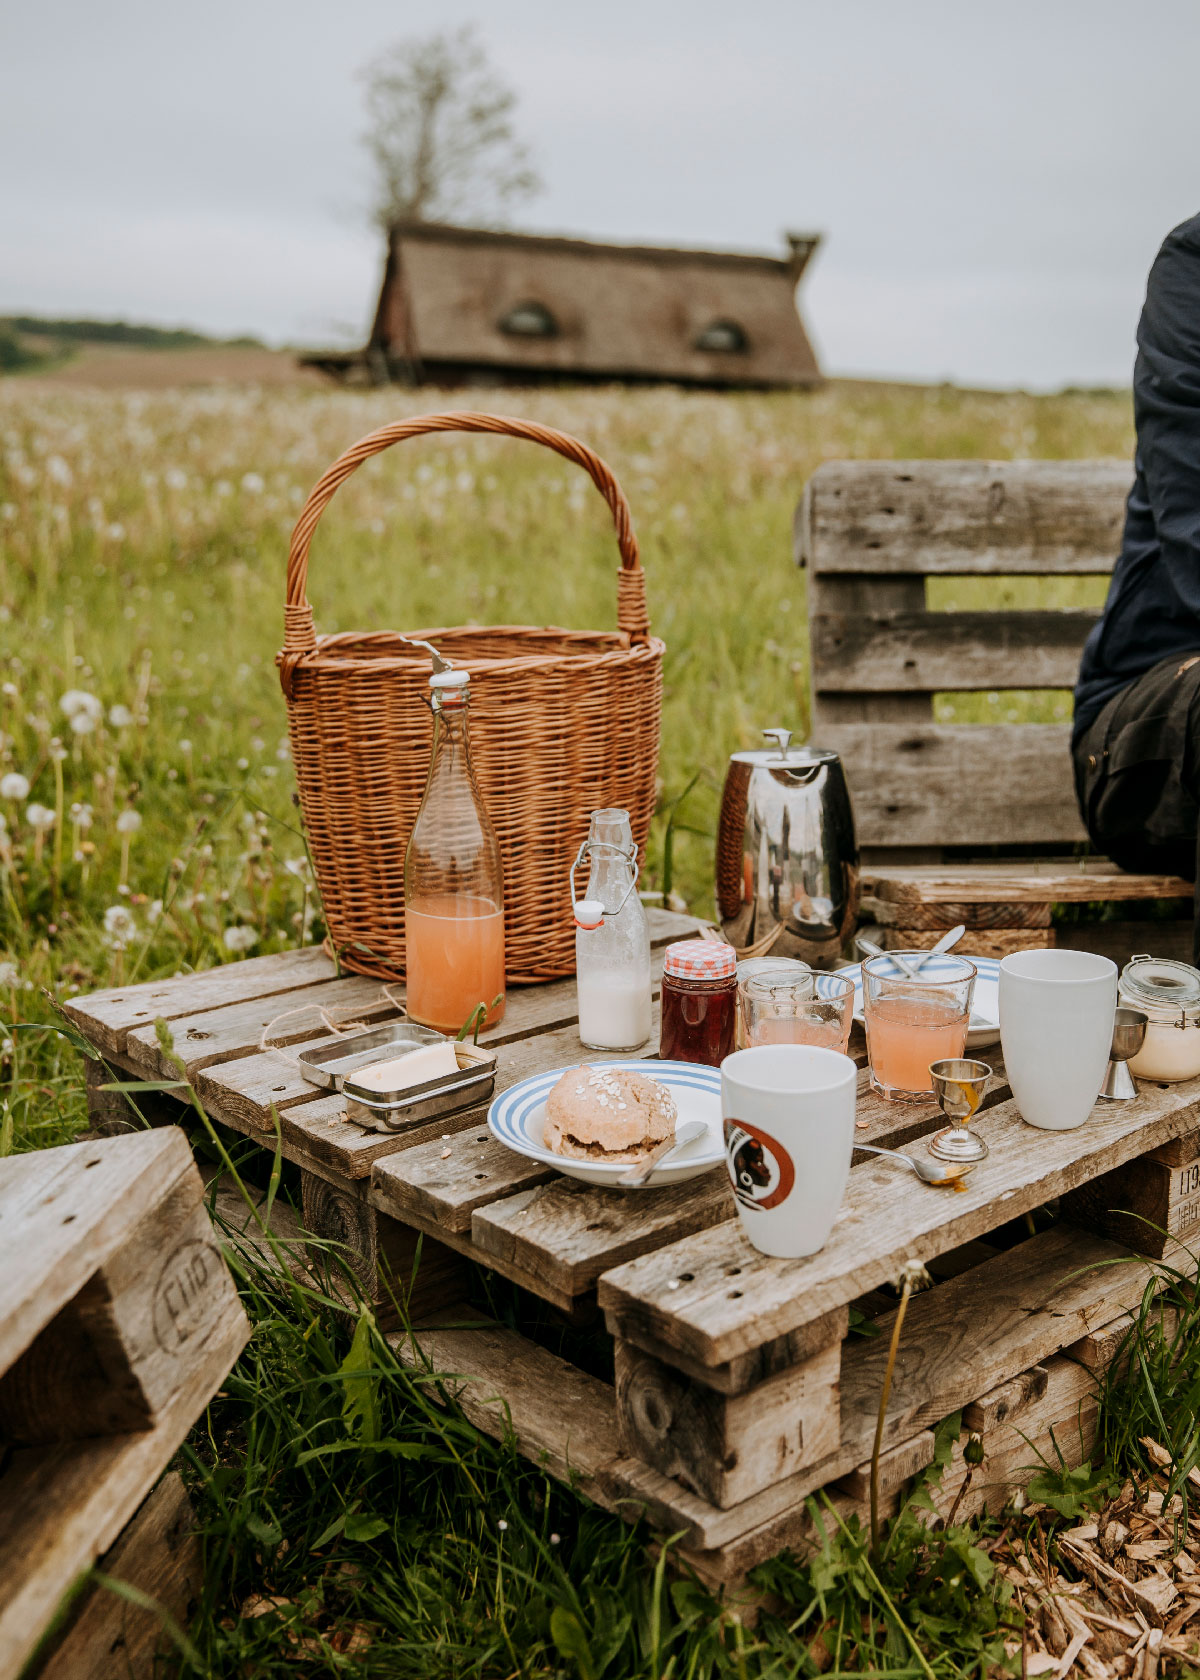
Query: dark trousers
x=1137 y=775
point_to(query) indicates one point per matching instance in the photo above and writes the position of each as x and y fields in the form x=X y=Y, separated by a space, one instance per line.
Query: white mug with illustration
x=789 y=1134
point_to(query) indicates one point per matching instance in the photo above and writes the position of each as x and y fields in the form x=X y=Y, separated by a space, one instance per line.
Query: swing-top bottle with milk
x=612 y=940
x=453 y=886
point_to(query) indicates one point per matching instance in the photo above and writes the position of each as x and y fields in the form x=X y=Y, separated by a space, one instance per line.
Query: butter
x=417 y=1067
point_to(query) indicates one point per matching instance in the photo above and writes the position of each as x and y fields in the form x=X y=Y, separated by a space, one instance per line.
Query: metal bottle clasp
x=587 y=848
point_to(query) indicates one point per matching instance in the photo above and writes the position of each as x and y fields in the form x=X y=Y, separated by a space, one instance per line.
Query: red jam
x=698 y=1019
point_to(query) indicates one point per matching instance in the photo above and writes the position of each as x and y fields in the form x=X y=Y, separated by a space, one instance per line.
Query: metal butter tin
x=333 y=1065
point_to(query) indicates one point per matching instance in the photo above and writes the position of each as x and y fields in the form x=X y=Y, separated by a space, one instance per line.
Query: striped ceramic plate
x=516 y=1117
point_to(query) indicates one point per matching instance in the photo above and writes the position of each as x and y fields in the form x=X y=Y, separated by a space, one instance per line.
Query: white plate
x=985 y=1004
x=516 y=1118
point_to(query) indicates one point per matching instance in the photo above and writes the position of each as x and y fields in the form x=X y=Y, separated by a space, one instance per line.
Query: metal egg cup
x=1129 y=1034
x=956 y=1081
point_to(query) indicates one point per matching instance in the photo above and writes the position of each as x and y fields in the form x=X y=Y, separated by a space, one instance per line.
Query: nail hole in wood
x=686 y=1277
x=69 y=1220
x=735 y=1294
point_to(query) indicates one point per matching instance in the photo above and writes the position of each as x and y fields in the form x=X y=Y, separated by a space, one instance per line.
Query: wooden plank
x=896 y=1466
x=682 y=1294
x=559 y=1414
x=64 y=1213
x=1146 y=1205
x=956 y=784
x=220 y=1034
x=106 y=1018
x=752 y=1368
x=159 y=1554
x=951 y=913
x=959 y=1341
x=1058 y=1426
x=63 y=1506
x=1006 y=1401
x=1061 y=881
x=565 y=1233
x=938 y=517
x=926 y=652
x=727 y=1447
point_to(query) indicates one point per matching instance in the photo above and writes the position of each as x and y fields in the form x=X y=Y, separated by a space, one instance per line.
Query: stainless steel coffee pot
x=787 y=859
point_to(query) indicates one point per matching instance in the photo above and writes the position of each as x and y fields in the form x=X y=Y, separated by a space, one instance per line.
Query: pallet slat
x=952 y=784
x=885 y=1220
x=957 y=517
x=925 y=652
x=106 y=1018
x=1060 y=882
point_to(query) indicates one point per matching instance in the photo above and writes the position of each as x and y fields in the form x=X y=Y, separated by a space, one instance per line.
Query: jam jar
x=1169 y=994
x=699 y=1002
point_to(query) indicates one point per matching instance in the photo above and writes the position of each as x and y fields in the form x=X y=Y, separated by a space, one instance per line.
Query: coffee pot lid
x=783 y=755
x=1161 y=980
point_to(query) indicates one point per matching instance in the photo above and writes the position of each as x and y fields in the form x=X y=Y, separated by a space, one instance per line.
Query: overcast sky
x=992 y=182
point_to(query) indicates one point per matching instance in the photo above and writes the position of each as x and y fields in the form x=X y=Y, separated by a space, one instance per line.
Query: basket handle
x=632 y=620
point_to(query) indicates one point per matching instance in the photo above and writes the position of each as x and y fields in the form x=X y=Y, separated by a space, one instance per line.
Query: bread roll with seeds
x=607 y=1114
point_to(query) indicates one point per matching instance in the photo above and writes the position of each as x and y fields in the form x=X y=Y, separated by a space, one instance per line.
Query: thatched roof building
x=464 y=304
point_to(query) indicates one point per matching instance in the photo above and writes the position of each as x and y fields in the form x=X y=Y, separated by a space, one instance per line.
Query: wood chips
x=1124 y=1597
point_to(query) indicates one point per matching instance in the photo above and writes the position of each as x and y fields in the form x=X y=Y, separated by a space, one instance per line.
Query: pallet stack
x=738 y=1387
x=118 y=1322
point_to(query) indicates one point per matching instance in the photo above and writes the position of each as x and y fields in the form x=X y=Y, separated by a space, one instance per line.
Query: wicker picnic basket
x=564 y=722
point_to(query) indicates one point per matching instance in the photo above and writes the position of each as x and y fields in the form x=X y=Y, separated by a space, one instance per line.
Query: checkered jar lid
x=700 y=959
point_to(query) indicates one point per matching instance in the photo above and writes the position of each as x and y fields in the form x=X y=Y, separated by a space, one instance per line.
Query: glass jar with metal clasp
x=1168 y=993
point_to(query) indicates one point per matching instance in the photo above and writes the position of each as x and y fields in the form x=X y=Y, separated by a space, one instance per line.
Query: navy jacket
x=1153 y=606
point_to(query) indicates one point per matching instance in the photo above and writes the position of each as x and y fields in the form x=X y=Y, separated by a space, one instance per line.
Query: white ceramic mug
x=789 y=1135
x=1056 y=1025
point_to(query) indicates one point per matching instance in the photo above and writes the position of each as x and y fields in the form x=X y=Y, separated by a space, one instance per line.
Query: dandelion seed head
x=129 y=822
x=14 y=785
x=240 y=938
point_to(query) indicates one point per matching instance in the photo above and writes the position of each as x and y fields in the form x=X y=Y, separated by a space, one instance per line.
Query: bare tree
x=441 y=133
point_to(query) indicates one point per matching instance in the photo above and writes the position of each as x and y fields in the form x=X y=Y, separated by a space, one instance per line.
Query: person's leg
x=1138 y=772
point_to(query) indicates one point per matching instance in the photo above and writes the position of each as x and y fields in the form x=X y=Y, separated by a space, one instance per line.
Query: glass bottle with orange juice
x=453 y=886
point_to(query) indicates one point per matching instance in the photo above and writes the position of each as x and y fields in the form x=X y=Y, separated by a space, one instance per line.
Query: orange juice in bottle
x=453 y=887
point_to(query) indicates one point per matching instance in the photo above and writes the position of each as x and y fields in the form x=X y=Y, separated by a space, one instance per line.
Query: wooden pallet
x=118 y=1322
x=736 y=1389
x=1003 y=906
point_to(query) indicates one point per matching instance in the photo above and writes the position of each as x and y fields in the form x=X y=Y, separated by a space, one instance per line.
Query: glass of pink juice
x=454 y=961
x=816 y=1009
x=914 y=1021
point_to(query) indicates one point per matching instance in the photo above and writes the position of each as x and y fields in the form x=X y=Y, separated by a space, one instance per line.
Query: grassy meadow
x=148 y=828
